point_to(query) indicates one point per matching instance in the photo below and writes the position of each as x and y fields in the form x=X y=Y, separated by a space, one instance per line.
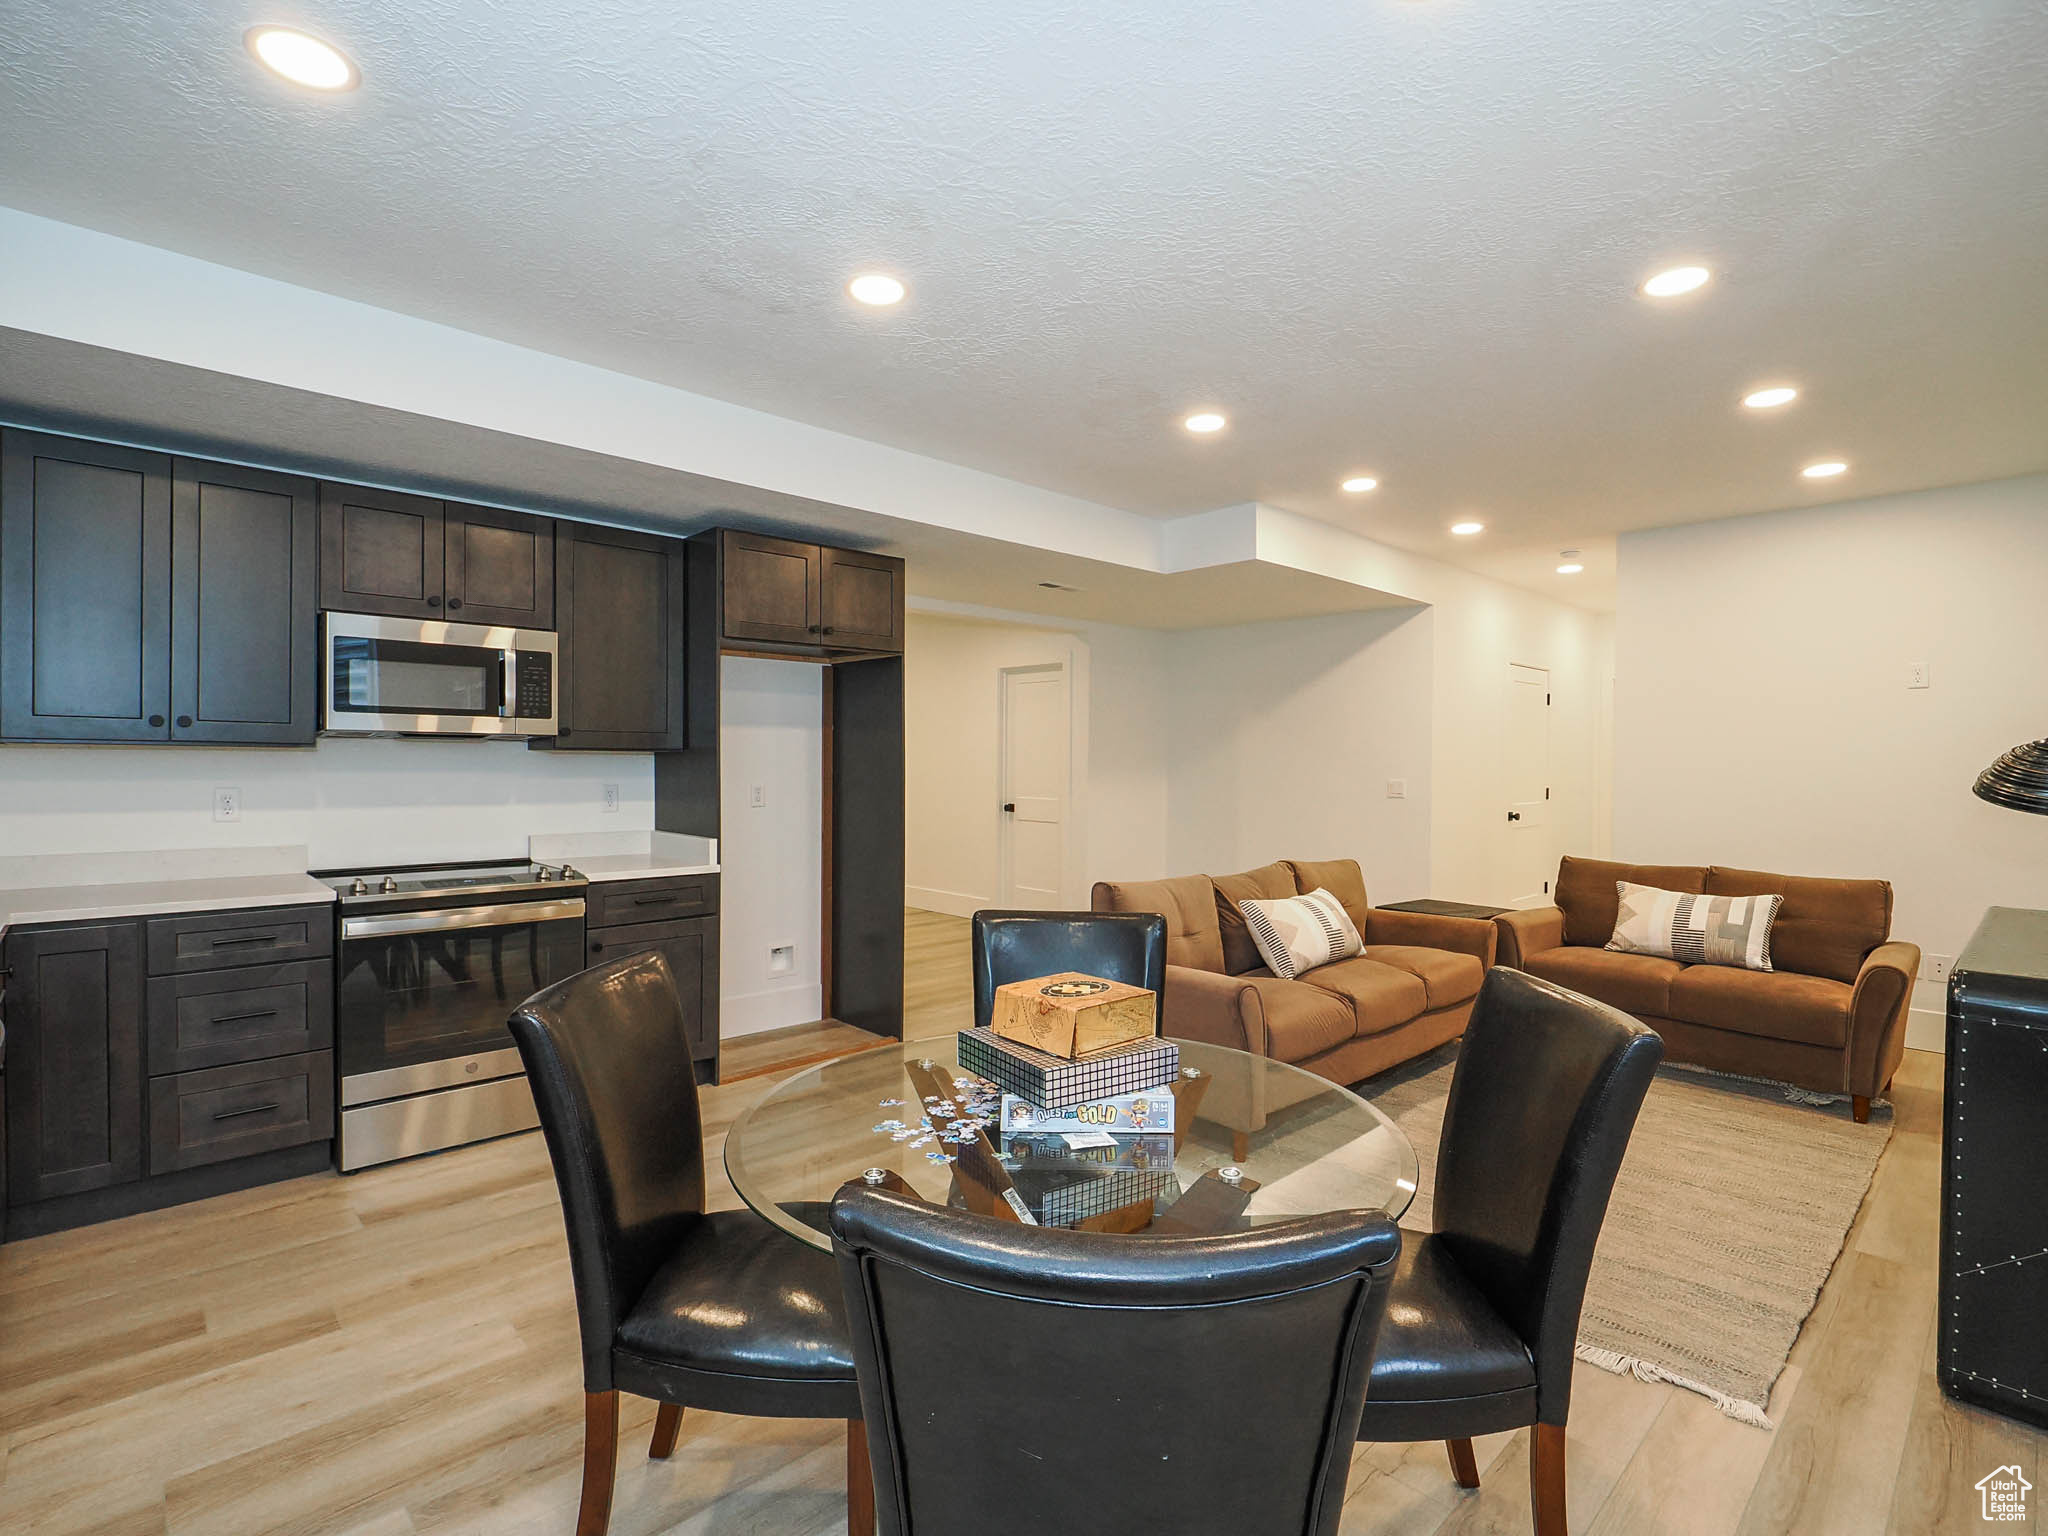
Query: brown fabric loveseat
x=1409 y=992
x=1831 y=1016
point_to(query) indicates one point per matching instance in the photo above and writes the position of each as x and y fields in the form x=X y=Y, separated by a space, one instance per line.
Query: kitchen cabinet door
x=380 y=552
x=861 y=607
x=498 y=567
x=771 y=589
x=74 y=1060
x=85 y=586
x=619 y=607
x=245 y=621
x=691 y=949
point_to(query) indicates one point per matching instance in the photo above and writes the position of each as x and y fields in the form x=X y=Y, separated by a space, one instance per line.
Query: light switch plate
x=227 y=803
x=1397 y=789
x=1919 y=674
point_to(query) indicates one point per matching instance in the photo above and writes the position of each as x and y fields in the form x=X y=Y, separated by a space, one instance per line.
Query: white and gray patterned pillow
x=1695 y=930
x=1299 y=933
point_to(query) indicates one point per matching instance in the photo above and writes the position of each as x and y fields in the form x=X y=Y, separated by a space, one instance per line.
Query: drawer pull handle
x=243 y=1018
x=656 y=901
x=251 y=938
x=253 y=1109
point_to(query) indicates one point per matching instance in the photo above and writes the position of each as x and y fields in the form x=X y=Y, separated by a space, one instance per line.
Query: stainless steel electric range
x=431 y=963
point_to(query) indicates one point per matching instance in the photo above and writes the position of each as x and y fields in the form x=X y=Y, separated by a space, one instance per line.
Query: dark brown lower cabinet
x=691 y=949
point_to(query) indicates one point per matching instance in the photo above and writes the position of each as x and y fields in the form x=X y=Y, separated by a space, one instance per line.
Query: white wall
x=771 y=736
x=1762 y=716
x=350 y=802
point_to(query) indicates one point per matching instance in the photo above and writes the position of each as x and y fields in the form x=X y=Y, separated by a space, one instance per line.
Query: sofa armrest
x=1463 y=935
x=1213 y=1008
x=1528 y=932
x=1877 y=1016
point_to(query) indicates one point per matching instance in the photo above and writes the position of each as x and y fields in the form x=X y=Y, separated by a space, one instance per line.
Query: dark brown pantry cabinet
x=619 y=606
x=414 y=557
x=782 y=592
x=146 y=599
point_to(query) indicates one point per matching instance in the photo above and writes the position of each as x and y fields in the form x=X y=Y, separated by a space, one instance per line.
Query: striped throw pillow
x=1695 y=930
x=1299 y=933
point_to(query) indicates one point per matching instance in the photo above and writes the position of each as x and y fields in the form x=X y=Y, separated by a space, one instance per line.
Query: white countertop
x=628 y=855
x=62 y=888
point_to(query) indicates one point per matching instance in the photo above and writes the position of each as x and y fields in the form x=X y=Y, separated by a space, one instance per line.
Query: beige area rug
x=1732 y=1206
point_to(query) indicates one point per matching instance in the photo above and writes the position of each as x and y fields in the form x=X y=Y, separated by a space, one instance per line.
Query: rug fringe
x=1807 y=1096
x=1645 y=1370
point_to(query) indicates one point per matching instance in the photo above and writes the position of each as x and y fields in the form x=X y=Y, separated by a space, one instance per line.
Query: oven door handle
x=516 y=914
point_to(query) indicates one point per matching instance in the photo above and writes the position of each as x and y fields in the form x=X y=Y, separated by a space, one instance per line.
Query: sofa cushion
x=1777 y=1005
x=1342 y=878
x=1301 y=1020
x=1240 y=954
x=1587 y=895
x=1825 y=927
x=1447 y=977
x=1381 y=996
x=1187 y=902
x=1637 y=984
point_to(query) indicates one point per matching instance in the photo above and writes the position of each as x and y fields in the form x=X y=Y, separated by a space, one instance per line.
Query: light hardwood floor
x=395 y=1353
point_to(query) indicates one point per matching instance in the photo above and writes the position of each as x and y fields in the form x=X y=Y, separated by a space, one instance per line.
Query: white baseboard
x=952 y=903
x=752 y=1013
x=1927 y=1030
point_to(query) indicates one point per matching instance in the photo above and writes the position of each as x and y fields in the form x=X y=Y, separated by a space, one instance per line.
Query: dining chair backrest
x=609 y=1063
x=1542 y=1103
x=1034 y=1378
x=1017 y=946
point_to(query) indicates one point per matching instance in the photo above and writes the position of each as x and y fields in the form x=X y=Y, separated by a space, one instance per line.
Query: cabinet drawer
x=213 y=941
x=615 y=903
x=217 y=1018
x=226 y=1112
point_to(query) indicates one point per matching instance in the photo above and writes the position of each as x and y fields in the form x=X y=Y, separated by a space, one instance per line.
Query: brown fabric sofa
x=1409 y=992
x=1830 y=1017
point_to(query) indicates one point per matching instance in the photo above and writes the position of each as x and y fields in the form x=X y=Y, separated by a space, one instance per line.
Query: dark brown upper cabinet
x=498 y=567
x=782 y=593
x=620 y=605
x=85 y=590
x=244 y=595
x=413 y=557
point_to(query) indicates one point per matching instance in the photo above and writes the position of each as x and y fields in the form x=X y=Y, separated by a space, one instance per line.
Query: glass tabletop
x=1255 y=1142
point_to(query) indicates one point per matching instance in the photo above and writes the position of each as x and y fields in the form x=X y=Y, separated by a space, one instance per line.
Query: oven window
x=402 y=999
x=405 y=677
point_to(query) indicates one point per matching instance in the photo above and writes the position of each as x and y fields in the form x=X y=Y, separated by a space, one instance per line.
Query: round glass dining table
x=1255 y=1142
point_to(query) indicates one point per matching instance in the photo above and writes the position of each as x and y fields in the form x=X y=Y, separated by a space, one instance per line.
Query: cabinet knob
x=597 y=946
x=184 y=722
x=433 y=602
x=454 y=603
x=826 y=630
x=156 y=719
x=811 y=629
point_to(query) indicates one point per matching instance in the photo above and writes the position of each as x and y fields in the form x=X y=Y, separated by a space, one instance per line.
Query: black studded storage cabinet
x=1994 y=1166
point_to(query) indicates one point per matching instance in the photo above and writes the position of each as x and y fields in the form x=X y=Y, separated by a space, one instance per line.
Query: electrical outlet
x=1936 y=967
x=611 y=798
x=1397 y=789
x=227 y=803
x=758 y=796
x=1919 y=675
x=782 y=960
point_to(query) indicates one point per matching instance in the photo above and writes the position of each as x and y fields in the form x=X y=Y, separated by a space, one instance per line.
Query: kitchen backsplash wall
x=360 y=801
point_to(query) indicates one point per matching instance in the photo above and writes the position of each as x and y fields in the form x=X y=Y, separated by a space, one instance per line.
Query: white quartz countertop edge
x=635 y=866
x=157 y=898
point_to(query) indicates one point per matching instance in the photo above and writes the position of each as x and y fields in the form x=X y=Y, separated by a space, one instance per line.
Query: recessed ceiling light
x=1767 y=399
x=1571 y=565
x=301 y=58
x=1673 y=281
x=1358 y=485
x=1466 y=530
x=1205 y=421
x=1826 y=469
x=876 y=288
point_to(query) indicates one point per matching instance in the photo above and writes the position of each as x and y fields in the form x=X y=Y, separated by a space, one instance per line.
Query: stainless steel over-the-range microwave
x=425 y=677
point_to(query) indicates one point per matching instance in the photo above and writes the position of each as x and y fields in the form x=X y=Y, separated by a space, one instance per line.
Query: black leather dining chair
x=1484 y=1313
x=1037 y=1379
x=1017 y=946
x=692 y=1308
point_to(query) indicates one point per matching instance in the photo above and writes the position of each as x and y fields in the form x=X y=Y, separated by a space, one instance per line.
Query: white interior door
x=1531 y=859
x=1033 y=814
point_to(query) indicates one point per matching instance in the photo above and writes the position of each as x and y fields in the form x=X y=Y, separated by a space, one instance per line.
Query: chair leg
x=1546 y=1478
x=600 y=1461
x=1859 y=1106
x=1464 y=1465
x=860 y=1482
x=668 y=1422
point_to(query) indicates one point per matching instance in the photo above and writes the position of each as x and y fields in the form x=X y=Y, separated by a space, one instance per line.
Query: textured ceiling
x=1383 y=235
